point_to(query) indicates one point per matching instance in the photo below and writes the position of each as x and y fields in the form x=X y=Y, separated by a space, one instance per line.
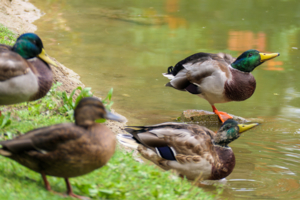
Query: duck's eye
x=250 y=54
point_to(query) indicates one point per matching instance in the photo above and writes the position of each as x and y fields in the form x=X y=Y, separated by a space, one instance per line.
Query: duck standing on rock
x=25 y=74
x=218 y=78
x=192 y=150
x=66 y=150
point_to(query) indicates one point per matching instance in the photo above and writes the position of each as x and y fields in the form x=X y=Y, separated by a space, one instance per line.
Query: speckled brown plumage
x=192 y=144
x=63 y=150
x=66 y=150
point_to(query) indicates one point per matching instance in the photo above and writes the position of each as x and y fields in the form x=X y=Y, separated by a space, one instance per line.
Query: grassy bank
x=121 y=178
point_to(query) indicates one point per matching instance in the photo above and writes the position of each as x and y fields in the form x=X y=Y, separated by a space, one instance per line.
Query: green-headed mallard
x=25 y=74
x=218 y=78
x=66 y=150
x=192 y=150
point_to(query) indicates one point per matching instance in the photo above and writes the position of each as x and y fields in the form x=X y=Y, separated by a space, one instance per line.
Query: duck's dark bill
x=115 y=117
x=267 y=56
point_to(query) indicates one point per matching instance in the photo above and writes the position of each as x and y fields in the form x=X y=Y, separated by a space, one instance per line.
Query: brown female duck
x=192 y=150
x=25 y=74
x=66 y=150
x=218 y=78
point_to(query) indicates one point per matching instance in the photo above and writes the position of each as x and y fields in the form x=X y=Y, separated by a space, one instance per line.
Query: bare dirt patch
x=18 y=15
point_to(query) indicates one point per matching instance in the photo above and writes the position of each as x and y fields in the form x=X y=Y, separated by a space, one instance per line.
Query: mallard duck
x=194 y=151
x=218 y=78
x=66 y=150
x=25 y=74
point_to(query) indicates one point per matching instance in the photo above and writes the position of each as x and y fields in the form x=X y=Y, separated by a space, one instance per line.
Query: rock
x=206 y=118
x=200 y=116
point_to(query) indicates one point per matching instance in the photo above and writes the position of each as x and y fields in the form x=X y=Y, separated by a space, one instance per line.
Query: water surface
x=127 y=45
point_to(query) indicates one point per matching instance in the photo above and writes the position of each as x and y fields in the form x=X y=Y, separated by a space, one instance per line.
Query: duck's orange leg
x=223 y=116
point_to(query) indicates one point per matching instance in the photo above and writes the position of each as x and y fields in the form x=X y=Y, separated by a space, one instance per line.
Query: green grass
x=6 y=36
x=121 y=178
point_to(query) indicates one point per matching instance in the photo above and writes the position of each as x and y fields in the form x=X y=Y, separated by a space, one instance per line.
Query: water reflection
x=127 y=45
x=241 y=40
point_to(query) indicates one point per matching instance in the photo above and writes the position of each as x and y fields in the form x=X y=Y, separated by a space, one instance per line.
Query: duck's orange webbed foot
x=223 y=116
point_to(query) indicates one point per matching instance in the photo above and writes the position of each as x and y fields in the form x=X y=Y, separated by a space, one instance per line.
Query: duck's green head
x=230 y=131
x=29 y=45
x=250 y=59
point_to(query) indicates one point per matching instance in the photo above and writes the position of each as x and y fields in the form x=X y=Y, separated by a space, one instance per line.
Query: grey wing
x=12 y=65
x=227 y=57
x=183 y=138
x=4 y=47
x=194 y=69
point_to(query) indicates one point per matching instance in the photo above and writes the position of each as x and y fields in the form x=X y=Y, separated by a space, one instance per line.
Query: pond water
x=127 y=45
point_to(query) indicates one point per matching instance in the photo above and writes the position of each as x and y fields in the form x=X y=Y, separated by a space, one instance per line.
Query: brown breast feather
x=241 y=87
x=225 y=165
x=45 y=77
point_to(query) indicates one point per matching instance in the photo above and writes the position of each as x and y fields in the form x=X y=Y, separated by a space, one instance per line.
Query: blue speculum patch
x=166 y=153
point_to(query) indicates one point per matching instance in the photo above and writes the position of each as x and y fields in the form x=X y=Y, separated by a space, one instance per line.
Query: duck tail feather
x=5 y=153
x=170 y=70
x=127 y=140
x=169 y=76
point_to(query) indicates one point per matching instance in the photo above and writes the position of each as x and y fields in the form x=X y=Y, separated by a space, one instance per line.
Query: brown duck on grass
x=25 y=74
x=66 y=150
x=192 y=150
x=218 y=78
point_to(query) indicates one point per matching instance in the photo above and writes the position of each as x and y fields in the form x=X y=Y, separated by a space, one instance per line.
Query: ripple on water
x=267 y=165
x=130 y=57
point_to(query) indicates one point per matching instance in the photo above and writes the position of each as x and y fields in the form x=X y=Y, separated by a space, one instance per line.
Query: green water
x=127 y=45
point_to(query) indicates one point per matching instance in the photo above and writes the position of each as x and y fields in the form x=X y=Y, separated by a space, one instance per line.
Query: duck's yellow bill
x=43 y=55
x=267 y=56
x=245 y=127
